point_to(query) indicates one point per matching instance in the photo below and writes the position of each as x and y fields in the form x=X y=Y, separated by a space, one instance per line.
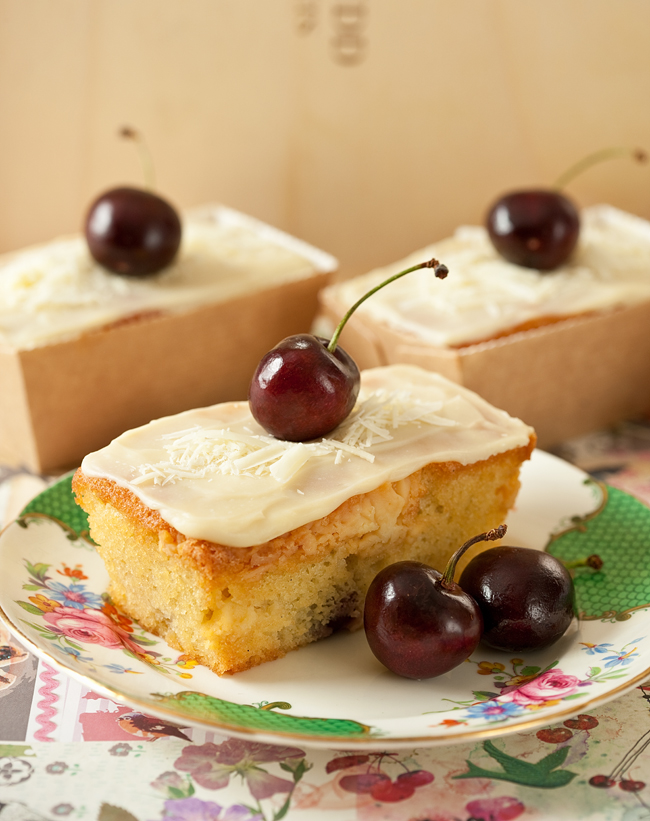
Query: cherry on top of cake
x=55 y=291
x=487 y=295
x=539 y=227
x=133 y=231
x=493 y=290
x=306 y=385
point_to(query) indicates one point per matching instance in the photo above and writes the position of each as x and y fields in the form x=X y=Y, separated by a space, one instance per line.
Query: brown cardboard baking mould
x=61 y=401
x=564 y=379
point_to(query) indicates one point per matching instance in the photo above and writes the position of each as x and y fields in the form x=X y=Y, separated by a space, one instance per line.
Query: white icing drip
x=485 y=295
x=214 y=474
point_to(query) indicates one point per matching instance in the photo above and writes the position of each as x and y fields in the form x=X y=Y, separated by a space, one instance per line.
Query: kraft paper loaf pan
x=61 y=401
x=565 y=379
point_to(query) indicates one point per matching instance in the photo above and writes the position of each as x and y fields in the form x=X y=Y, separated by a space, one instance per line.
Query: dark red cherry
x=419 y=623
x=526 y=597
x=417 y=627
x=306 y=386
x=132 y=231
x=301 y=391
x=537 y=228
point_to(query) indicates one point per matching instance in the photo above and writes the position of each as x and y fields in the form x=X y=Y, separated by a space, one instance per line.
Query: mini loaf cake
x=488 y=297
x=236 y=547
x=73 y=334
x=565 y=350
x=56 y=292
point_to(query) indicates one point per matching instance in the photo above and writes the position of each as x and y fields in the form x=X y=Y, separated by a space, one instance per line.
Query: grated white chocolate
x=54 y=292
x=485 y=295
x=213 y=473
x=198 y=452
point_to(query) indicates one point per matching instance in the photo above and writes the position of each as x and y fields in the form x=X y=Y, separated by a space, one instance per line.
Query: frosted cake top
x=485 y=295
x=56 y=291
x=215 y=474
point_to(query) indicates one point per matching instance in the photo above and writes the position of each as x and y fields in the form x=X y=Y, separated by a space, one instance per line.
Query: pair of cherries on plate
x=420 y=623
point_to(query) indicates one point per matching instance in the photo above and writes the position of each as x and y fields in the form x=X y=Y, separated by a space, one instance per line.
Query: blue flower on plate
x=622 y=659
x=74 y=595
x=71 y=651
x=120 y=668
x=494 y=710
x=593 y=649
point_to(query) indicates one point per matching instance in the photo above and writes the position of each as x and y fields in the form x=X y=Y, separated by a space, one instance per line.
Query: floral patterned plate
x=334 y=693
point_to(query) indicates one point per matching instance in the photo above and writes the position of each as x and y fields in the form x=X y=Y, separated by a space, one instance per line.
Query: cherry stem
x=491 y=536
x=440 y=271
x=129 y=133
x=593 y=561
x=637 y=154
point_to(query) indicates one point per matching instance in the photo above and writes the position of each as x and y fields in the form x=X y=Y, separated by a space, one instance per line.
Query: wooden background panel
x=454 y=102
x=367 y=127
x=44 y=136
x=205 y=80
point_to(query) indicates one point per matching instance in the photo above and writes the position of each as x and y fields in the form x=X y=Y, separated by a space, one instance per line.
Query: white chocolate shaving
x=198 y=452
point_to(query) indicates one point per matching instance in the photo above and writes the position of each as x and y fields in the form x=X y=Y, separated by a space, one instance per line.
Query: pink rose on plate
x=90 y=626
x=549 y=686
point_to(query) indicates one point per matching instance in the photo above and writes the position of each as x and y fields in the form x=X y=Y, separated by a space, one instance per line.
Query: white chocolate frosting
x=54 y=292
x=215 y=474
x=485 y=295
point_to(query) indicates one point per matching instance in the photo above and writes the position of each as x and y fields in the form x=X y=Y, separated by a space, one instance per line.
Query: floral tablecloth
x=68 y=752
